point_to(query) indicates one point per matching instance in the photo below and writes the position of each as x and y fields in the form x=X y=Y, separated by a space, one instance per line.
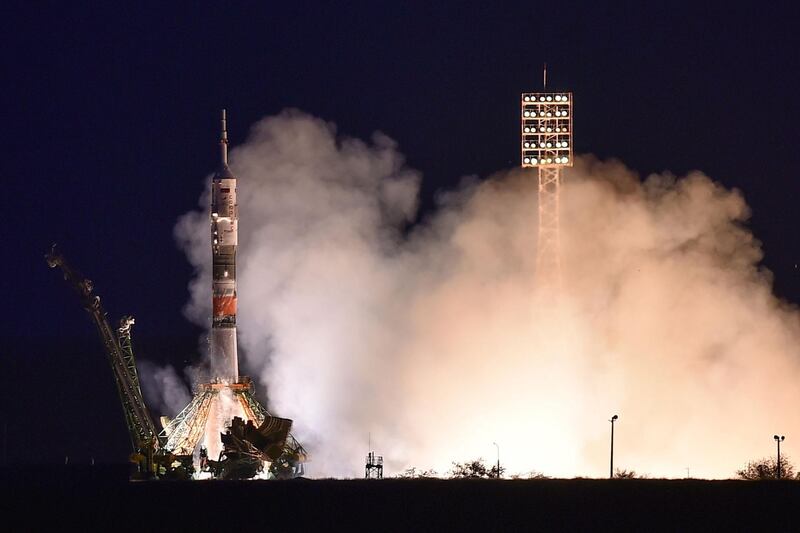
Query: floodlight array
x=546 y=129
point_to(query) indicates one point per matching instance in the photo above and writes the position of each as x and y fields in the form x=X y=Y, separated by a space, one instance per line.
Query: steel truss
x=548 y=251
x=184 y=432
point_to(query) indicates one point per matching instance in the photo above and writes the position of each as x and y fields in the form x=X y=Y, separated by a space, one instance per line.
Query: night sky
x=110 y=127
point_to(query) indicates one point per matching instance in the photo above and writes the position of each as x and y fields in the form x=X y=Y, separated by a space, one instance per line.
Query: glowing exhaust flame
x=224 y=407
x=433 y=343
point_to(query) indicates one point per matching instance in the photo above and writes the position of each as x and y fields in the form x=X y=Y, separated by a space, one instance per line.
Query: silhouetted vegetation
x=475 y=469
x=415 y=473
x=533 y=474
x=628 y=474
x=767 y=468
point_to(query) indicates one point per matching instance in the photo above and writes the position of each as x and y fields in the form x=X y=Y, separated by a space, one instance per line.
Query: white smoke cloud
x=163 y=388
x=432 y=340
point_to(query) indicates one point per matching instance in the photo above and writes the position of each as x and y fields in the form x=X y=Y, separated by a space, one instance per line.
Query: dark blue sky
x=110 y=125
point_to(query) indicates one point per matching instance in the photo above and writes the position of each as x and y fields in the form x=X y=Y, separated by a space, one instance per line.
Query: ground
x=102 y=498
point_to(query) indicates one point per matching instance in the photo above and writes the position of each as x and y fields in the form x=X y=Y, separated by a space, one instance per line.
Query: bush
x=533 y=474
x=414 y=473
x=628 y=474
x=475 y=469
x=767 y=468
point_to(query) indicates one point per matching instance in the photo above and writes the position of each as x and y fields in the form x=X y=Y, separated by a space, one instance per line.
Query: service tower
x=224 y=242
x=547 y=145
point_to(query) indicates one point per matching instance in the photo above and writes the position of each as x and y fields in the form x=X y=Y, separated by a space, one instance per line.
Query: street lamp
x=779 y=440
x=611 y=471
x=498 y=459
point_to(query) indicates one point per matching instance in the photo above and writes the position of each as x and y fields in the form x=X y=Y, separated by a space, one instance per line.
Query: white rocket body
x=224 y=243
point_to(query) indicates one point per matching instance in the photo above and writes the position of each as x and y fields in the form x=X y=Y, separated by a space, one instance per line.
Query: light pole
x=498 y=459
x=779 y=440
x=611 y=470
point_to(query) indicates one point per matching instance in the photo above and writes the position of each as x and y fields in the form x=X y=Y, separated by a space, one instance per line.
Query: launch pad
x=183 y=433
x=200 y=425
x=224 y=432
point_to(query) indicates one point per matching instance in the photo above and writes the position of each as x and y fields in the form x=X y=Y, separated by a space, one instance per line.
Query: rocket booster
x=224 y=242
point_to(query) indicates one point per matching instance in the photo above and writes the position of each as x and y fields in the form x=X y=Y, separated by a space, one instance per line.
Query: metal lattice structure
x=547 y=145
x=548 y=248
x=126 y=346
x=374 y=466
x=117 y=345
x=183 y=434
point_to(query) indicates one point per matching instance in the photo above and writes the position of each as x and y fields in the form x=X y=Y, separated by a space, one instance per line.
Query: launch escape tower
x=547 y=145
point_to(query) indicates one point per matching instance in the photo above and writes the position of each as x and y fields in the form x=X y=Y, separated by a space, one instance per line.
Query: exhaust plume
x=431 y=339
x=163 y=387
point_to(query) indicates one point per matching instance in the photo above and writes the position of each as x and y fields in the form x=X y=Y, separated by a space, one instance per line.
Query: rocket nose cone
x=225 y=172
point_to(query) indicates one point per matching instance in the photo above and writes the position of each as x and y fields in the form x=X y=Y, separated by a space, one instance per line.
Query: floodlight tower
x=547 y=145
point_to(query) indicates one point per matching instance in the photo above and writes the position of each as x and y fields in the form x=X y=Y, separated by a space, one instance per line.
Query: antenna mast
x=544 y=78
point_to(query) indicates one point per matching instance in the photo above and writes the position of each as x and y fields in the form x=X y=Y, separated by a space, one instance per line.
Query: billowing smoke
x=163 y=388
x=431 y=338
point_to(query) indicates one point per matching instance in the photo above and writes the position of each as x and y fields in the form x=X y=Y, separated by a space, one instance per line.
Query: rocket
x=224 y=242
